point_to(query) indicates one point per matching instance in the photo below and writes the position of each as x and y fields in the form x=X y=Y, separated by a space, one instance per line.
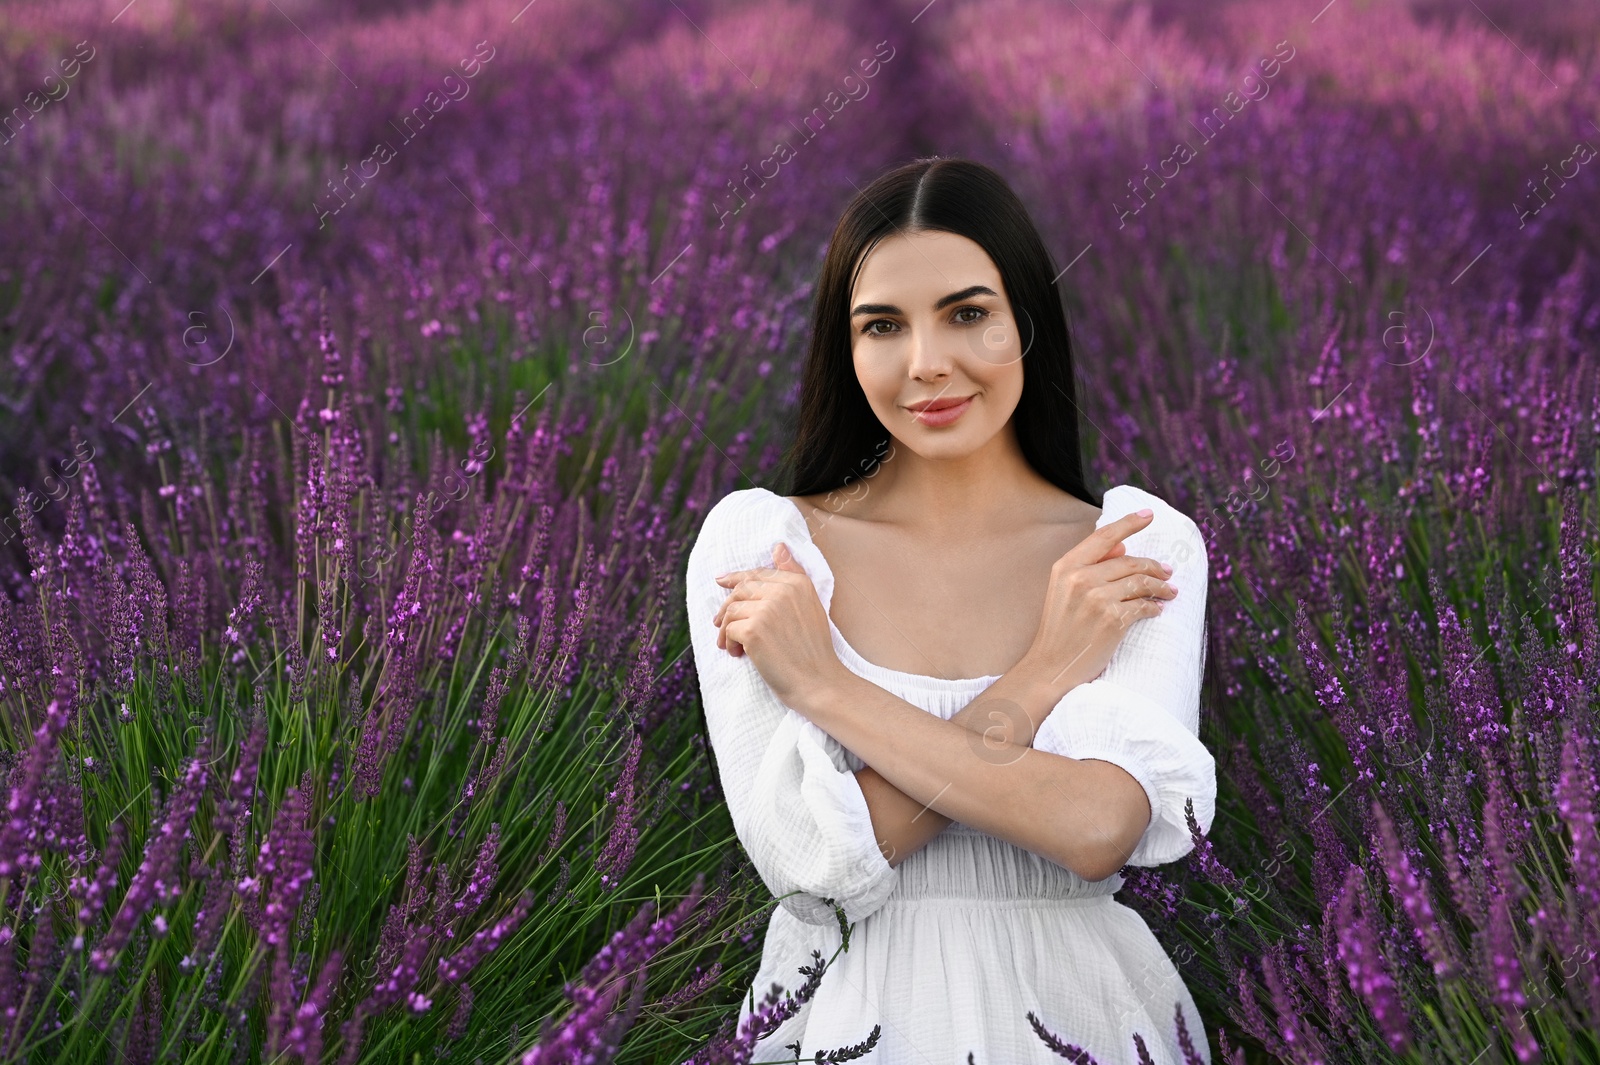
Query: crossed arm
x=980 y=768
x=993 y=766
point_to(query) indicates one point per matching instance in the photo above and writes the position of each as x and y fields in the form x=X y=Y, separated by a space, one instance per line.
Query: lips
x=938 y=412
x=937 y=404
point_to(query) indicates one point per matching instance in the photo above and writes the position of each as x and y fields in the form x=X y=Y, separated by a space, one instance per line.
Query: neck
x=956 y=496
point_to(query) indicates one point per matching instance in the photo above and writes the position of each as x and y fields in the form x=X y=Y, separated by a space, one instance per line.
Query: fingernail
x=1145 y=513
x=1166 y=567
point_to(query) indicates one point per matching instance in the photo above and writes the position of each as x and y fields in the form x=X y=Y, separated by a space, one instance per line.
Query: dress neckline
x=823 y=578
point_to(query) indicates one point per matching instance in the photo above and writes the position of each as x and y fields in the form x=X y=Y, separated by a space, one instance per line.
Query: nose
x=928 y=358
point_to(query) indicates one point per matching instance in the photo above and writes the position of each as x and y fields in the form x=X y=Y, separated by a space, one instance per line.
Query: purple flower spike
x=1204 y=854
x=1191 y=1056
x=478 y=883
x=455 y=968
x=1413 y=896
x=618 y=853
x=591 y=1029
x=285 y=866
x=1575 y=800
x=1075 y=1054
x=1364 y=966
x=20 y=836
x=394 y=985
x=157 y=880
x=305 y=1038
x=91 y=893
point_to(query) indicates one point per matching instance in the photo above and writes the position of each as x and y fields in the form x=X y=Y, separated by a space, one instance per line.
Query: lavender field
x=369 y=368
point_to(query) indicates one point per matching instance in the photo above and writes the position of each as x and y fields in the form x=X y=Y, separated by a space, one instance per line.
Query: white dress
x=953 y=947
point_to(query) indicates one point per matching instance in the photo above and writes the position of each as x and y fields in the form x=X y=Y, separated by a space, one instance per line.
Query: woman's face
x=930 y=322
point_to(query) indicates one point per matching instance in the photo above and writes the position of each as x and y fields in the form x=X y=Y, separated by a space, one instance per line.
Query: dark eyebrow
x=954 y=297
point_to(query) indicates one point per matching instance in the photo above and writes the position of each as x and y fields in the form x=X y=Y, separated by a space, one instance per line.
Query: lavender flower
x=455 y=968
x=242 y=781
x=1204 y=856
x=478 y=884
x=458 y=1020
x=1413 y=896
x=1301 y=1043
x=618 y=852
x=620 y=965
x=305 y=1036
x=285 y=867
x=209 y=918
x=249 y=602
x=395 y=983
x=1575 y=800
x=1075 y=1054
x=566 y=657
x=20 y=836
x=1191 y=1056
x=91 y=893
x=157 y=880
x=1368 y=976
x=10 y=983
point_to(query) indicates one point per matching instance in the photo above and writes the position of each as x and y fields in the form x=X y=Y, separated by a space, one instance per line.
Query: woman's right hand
x=1097 y=591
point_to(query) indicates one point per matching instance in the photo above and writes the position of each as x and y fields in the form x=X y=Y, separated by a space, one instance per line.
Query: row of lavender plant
x=1381 y=455
x=413 y=598
x=1373 y=381
x=394 y=768
x=454 y=309
x=514 y=235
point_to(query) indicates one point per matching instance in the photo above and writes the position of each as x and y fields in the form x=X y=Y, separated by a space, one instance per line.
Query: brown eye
x=981 y=313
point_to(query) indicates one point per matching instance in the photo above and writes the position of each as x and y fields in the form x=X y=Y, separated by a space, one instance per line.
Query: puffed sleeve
x=1143 y=712
x=797 y=808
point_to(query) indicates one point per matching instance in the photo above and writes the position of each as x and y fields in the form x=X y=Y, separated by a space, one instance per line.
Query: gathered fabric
x=952 y=949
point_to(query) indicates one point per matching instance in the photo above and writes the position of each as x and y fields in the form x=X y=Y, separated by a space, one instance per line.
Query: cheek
x=1003 y=382
x=1002 y=387
x=879 y=382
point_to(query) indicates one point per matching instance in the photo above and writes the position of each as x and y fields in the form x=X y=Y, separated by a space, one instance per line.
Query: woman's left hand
x=775 y=616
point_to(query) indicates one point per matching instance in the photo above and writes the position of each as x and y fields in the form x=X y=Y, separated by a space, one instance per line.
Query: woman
x=948 y=695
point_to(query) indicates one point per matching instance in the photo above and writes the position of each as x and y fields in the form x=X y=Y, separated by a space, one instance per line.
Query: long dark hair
x=838 y=437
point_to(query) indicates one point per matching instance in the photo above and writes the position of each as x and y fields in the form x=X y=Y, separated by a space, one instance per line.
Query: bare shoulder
x=820 y=508
x=1068 y=509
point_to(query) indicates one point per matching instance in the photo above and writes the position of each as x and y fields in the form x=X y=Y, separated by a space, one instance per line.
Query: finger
x=736 y=612
x=1098 y=545
x=784 y=559
x=1129 y=565
x=1144 y=586
x=1131 y=610
x=736 y=628
x=749 y=588
x=753 y=573
x=740 y=590
x=760 y=573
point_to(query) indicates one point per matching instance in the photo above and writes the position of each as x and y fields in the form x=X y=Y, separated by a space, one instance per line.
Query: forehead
x=928 y=263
